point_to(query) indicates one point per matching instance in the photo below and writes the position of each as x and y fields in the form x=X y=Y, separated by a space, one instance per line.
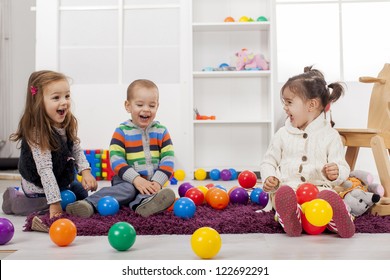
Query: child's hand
x=88 y=181
x=145 y=187
x=270 y=184
x=331 y=171
x=55 y=209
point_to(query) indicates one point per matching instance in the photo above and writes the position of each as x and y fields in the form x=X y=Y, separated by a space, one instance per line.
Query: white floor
x=38 y=246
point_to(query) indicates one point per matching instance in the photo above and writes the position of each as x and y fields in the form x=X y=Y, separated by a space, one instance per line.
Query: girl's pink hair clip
x=33 y=90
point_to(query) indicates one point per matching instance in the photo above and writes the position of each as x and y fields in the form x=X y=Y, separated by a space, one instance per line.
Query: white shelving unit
x=242 y=101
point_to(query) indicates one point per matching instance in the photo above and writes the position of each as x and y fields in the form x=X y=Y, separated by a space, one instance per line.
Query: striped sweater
x=148 y=153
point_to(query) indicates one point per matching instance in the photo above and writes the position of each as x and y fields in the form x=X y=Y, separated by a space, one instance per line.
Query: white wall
x=22 y=39
x=99 y=116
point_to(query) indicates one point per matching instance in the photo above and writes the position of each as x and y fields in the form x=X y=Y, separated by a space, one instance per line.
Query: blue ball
x=234 y=174
x=184 y=208
x=67 y=196
x=255 y=194
x=214 y=174
x=107 y=206
x=221 y=187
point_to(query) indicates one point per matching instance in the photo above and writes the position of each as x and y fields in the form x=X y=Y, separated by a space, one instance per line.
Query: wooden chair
x=376 y=136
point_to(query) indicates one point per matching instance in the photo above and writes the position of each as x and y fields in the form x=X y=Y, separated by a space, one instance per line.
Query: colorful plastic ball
x=170 y=208
x=62 y=232
x=226 y=175
x=218 y=199
x=196 y=195
x=214 y=174
x=108 y=206
x=67 y=196
x=309 y=228
x=222 y=65
x=183 y=188
x=306 y=192
x=208 y=194
x=221 y=187
x=262 y=18
x=121 y=236
x=247 y=179
x=7 y=231
x=232 y=189
x=263 y=199
x=206 y=242
x=229 y=19
x=239 y=196
x=234 y=174
x=318 y=212
x=184 y=208
x=210 y=185
x=200 y=174
x=243 y=19
x=204 y=190
x=179 y=175
x=254 y=197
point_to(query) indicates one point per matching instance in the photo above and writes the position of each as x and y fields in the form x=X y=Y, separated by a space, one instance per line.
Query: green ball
x=262 y=18
x=121 y=236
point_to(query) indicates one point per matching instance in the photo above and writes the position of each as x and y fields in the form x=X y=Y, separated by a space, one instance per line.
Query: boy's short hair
x=139 y=83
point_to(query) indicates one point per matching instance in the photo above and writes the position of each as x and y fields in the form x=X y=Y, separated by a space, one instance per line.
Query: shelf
x=230 y=26
x=232 y=122
x=231 y=74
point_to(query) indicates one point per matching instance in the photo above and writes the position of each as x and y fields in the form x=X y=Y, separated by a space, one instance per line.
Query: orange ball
x=208 y=194
x=229 y=19
x=218 y=199
x=171 y=207
x=62 y=232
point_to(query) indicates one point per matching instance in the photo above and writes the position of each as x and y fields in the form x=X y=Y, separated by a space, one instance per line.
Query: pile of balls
x=316 y=213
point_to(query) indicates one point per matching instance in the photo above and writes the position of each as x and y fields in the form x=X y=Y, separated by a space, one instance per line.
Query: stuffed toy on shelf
x=246 y=60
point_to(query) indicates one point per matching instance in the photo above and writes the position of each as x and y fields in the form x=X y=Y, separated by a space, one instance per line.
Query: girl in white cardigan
x=307 y=149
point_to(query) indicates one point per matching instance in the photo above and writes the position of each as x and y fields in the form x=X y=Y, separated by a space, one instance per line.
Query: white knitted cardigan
x=296 y=156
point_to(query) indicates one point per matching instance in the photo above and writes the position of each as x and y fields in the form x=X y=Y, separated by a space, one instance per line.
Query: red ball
x=196 y=195
x=309 y=228
x=306 y=192
x=247 y=179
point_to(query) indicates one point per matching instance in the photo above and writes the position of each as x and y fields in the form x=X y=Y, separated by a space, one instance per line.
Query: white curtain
x=5 y=76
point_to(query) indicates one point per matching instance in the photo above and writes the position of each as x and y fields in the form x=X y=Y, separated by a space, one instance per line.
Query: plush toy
x=250 y=61
x=360 y=193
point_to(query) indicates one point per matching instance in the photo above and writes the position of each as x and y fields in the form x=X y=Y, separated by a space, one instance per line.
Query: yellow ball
x=200 y=174
x=79 y=178
x=204 y=190
x=244 y=19
x=206 y=242
x=318 y=212
x=303 y=206
x=179 y=175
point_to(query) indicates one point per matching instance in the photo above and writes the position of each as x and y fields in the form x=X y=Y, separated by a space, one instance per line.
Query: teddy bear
x=250 y=61
x=360 y=193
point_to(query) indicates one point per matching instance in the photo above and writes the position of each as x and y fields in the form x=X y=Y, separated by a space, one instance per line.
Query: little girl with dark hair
x=307 y=149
